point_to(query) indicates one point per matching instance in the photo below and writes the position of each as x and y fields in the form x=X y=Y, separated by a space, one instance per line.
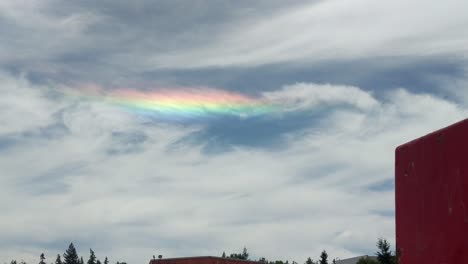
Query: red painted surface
x=431 y=195
x=200 y=260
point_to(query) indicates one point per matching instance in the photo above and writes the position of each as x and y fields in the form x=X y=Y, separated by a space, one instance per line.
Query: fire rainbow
x=183 y=103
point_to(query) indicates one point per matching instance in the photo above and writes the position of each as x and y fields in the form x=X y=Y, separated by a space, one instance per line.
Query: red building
x=431 y=192
x=201 y=260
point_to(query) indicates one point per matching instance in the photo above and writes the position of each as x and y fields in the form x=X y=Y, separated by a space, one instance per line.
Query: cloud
x=353 y=80
x=304 y=96
x=113 y=181
x=122 y=43
x=330 y=30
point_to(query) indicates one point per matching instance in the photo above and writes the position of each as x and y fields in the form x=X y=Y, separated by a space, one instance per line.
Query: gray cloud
x=140 y=201
x=131 y=187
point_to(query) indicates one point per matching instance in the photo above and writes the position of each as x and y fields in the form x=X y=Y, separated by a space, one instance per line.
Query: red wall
x=431 y=195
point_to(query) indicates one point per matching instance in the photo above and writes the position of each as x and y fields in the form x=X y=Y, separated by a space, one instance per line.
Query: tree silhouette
x=58 y=260
x=42 y=257
x=92 y=257
x=323 y=258
x=384 y=255
x=367 y=261
x=245 y=254
x=70 y=256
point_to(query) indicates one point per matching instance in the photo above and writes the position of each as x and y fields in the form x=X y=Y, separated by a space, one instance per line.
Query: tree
x=92 y=257
x=70 y=256
x=367 y=260
x=224 y=255
x=309 y=261
x=42 y=257
x=98 y=261
x=13 y=262
x=245 y=254
x=384 y=255
x=58 y=260
x=81 y=260
x=323 y=258
x=106 y=261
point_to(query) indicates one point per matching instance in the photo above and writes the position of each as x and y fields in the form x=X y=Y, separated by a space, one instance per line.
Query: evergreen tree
x=245 y=254
x=106 y=261
x=98 y=261
x=309 y=261
x=81 y=260
x=58 y=260
x=384 y=255
x=70 y=256
x=13 y=261
x=224 y=255
x=42 y=257
x=323 y=258
x=367 y=261
x=92 y=257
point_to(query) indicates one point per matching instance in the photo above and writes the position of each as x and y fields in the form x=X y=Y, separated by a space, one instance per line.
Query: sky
x=183 y=128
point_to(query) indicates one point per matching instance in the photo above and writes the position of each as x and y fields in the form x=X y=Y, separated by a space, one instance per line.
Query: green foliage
x=224 y=255
x=106 y=261
x=245 y=254
x=42 y=257
x=384 y=255
x=58 y=260
x=242 y=256
x=323 y=258
x=309 y=261
x=366 y=260
x=70 y=256
x=92 y=257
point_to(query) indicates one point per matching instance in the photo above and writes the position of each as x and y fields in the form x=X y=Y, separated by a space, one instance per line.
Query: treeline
x=384 y=255
x=71 y=257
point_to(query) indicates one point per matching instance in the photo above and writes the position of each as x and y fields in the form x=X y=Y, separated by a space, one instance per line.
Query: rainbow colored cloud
x=178 y=103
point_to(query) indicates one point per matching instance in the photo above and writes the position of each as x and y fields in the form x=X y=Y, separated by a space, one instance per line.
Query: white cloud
x=303 y=96
x=21 y=107
x=333 y=29
x=313 y=194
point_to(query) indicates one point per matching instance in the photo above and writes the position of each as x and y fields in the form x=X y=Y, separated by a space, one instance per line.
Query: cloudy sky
x=327 y=90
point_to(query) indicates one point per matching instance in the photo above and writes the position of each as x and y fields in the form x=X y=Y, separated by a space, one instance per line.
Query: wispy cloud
x=184 y=128
x=141 y=198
